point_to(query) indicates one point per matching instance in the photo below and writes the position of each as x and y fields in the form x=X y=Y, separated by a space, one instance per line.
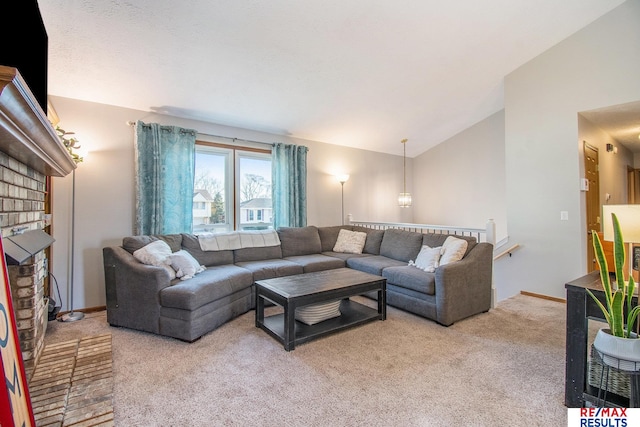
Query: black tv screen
x=25 y=46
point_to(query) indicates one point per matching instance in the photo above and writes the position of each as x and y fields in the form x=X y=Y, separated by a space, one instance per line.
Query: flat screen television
x=25 y=46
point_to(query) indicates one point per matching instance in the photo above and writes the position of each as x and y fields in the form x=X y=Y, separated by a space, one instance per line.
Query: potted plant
x=70 y=142
x=618 y=345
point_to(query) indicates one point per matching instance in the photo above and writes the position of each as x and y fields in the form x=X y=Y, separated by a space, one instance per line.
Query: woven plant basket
x=618 y=380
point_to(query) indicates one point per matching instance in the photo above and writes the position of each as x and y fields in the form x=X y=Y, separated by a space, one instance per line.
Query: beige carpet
x=505 y=367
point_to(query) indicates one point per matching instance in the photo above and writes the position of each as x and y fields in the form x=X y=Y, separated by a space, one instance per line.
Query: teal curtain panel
x=165 y=169
x=289 y=185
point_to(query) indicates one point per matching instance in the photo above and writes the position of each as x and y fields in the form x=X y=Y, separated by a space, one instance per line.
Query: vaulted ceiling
x=359 y=73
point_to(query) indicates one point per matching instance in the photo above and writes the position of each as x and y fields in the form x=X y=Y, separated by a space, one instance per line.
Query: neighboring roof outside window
x=205 y=196
x=257 y=203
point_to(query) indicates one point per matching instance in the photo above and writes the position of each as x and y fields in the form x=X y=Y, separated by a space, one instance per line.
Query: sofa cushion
x=373 y=264
x=210 y=285
x=270 y=268
x=207 y=258
x=257 y=254
x=350 y=242
x=411 y=278
x=299 y=240
x=133 y=243
x=344 y=256
x=374 y=239
x=401 y=245
x=317 y=262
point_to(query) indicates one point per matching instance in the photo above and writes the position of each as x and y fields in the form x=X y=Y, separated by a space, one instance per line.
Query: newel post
x=491 y=232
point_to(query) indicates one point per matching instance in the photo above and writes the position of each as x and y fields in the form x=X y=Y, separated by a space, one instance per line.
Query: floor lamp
x=72 y=316
x=342 y=179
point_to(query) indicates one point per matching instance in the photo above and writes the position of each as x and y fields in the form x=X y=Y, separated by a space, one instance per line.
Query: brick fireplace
x=30 y=152
x=22 y=191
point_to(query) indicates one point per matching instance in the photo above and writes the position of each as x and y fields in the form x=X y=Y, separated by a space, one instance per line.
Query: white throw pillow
x=453 y=250
x=316 y=313
x=350 y=242
x=156 y=253
x=428 y=259
x=185 y=265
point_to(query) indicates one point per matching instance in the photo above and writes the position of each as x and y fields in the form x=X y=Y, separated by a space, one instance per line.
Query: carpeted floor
x=504 y=367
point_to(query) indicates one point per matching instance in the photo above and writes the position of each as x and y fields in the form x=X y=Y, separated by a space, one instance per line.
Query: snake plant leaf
x=605 y=311
x=618 y=251
x=604 y=268
x=631 y=320
x=631 y=288
x=617 y=314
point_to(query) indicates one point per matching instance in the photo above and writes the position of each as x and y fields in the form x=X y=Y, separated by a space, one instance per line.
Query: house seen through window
x=232 y=189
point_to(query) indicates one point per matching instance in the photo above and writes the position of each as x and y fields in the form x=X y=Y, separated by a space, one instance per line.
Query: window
x=232 y=188
x=254 y=176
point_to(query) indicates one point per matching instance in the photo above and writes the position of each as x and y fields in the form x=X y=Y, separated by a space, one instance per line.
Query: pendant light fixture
x=404 y=199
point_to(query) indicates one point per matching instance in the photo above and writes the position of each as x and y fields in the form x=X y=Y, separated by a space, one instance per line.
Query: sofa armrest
x=463 y=288
x=132 y=290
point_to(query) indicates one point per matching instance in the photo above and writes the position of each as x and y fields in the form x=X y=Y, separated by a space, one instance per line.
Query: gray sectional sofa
x=143 y=297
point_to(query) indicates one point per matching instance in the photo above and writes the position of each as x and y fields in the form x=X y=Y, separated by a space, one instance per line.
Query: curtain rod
x=133 y=123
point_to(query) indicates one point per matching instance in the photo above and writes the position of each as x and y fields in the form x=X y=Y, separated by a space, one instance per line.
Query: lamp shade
x=342 y=178
x=629 y=219
x=404 y=200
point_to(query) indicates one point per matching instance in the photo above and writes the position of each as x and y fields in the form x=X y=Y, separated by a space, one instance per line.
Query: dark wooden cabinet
x=580 y=310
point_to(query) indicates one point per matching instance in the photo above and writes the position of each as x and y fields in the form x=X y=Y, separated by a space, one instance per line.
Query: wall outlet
x=564 y=215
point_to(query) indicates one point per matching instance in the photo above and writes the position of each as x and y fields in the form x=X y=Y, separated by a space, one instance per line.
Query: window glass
x=254 y=191
x=212 y=209
x=232 y=190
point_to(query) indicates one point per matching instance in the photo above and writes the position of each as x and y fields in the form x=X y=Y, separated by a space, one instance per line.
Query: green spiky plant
x=619 y=299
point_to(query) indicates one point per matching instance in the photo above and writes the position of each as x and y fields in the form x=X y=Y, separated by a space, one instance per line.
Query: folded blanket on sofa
x=238 y=240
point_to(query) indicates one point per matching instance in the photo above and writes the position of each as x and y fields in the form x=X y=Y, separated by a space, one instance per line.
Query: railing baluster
x=481 y=235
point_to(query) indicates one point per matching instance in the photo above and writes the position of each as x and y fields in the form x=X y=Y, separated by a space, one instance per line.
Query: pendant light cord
x=404 y=166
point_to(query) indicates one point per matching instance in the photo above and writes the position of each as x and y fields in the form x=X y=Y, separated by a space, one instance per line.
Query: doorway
x=593 y=200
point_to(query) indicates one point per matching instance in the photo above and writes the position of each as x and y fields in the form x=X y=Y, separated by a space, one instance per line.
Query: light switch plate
x=584 y=184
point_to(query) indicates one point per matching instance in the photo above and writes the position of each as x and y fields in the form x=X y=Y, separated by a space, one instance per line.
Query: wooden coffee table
x=299 y=290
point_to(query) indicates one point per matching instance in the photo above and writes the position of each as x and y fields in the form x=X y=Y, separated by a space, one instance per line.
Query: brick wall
x=22 y=206
x=22 y=192
x=27 y=292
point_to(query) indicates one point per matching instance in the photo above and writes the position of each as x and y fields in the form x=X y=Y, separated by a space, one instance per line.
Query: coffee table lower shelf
x=352 y=314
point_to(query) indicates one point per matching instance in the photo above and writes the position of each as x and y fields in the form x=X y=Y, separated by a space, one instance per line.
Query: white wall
x=462 y=180
x=105 y=188
x=594 y=68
